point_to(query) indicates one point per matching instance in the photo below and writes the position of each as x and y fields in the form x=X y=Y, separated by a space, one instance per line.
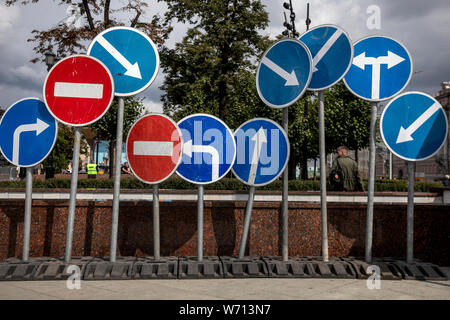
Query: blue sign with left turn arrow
x=27 y=132
x=284 y=73
x=414 y=126
x=130 y=55
x=209 y=149
x=332 y=52
x=262 y=152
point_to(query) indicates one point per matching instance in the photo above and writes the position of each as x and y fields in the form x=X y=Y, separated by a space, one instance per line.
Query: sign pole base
x=200 y=223
x=116 y=195
x=156 y=235
x=248 y=217
x=73 y=193
x=410 y=213
x=27 y=217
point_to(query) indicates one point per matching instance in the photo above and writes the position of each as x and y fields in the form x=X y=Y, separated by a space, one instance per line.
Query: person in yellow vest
x=91 y=170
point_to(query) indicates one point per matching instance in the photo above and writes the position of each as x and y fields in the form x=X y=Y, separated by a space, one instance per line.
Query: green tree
x=106 y=127
x=203 y=69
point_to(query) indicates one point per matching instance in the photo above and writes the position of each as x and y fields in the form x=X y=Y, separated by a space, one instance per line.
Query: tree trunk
x=112 y=158
x=292 y=165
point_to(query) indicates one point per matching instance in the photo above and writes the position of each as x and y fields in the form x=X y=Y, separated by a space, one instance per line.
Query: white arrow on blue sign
x=284 y=73
x=382 y=68
x=414 y=126
x=332 y=51
x=28 y=132
x=209 y=149
x=262 y=152
x=130 y=55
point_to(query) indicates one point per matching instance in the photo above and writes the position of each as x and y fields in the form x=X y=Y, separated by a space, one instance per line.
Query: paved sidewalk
x=258 y=289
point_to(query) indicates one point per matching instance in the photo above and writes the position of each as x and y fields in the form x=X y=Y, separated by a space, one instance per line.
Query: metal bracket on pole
x=73 y=194
x=27 y=217
x=323 y=177
x=116 y=195
x=285 y=194
x=200 y=223
x=247 y=219
x=371 y=184
x=410 y=213
x=156 y=236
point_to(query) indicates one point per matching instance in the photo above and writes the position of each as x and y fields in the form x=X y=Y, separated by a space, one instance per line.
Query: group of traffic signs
x=376 y=68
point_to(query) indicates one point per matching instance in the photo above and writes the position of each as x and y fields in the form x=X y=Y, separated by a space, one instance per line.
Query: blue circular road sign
x=130 y=55
x=284 y=73
x=332 y=52
x=382 y=68
x=414 y=126
x=209 y=149
x=262 y=152
x=27 y=132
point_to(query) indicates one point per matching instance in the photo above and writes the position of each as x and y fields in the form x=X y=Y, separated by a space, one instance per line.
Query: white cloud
x=8 y=18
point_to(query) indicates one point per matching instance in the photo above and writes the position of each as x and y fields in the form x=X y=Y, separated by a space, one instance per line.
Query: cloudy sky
x=422 y=26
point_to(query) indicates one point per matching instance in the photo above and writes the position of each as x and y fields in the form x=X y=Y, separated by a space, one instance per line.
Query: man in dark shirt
x=349 y=168
x=125 y=169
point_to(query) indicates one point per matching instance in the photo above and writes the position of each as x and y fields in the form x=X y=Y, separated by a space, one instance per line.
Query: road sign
x=381 y=69
x=28 y=132
x=131 y=57
x=209 y=149
x=284 y=73
x=154 y=146
x=78 y=90
x=332 y=51
x=414 y=126
x=262 y=152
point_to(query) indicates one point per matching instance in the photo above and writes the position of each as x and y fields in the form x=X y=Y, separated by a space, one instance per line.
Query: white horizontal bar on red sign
x=78 y=90
x=153 y=148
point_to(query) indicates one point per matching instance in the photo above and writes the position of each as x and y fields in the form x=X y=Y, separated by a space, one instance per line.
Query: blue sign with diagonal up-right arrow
x=414 y=126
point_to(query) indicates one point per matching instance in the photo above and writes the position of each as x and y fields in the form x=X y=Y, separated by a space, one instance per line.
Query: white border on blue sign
x=287 y=157
x=144 y=87
x=382 y=118
x=407 y=82
x=110 y=100
x=181 y=152
x=54 y=140
x=234 y=142
x=351 y=58
x=307 y=82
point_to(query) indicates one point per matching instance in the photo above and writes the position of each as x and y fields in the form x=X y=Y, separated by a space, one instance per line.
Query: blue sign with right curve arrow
x=414 y=126
x=284 y=73
x=130 y=55
x=382 y=68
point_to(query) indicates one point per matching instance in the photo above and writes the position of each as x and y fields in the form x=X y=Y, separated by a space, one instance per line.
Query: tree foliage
x=203 y=70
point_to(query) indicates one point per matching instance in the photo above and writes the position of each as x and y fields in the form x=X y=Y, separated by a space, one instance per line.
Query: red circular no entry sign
x=78 y=90
x=154 y=146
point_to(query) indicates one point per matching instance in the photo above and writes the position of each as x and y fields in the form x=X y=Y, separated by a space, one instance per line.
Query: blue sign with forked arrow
x=262 y=152
x=381 y=69
x=284 y=73
x=209 y=149
x=332 y=52
x=27 y=132
x=414 y=126
x=130 y=55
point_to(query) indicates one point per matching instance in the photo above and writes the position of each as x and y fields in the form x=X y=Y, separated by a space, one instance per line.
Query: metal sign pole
x=410 y=213
x=73 y=193
x=27 y=217
x=116 y=195
x=390 y=165
x=285 y=194
x=371 y=183
x=323 y=177
x=200 y=223
x=156 y=236
x=248 y=217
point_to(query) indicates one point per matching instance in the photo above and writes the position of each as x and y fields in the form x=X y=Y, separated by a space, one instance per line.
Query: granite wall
x=223 y=223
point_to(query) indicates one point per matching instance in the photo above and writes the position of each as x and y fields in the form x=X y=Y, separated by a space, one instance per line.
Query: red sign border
x=110 y=101
x=181 y=150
